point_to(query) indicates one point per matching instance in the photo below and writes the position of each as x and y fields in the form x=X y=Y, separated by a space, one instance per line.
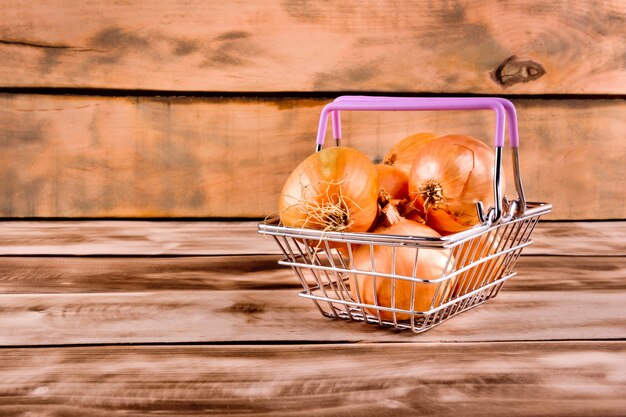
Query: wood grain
x=142 y=157
x=579 y=238
x=439 y=46
x=36 y=275
x=94 y=275
x=513 y=379
x=138 y=237
x=274 y=316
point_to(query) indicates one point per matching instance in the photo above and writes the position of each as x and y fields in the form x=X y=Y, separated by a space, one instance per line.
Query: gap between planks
x=282 y=95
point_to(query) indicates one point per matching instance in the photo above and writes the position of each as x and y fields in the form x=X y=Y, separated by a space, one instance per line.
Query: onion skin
x=393 y=181
x=448 y=177
x=411 y=213
x=430 y=266
x=402 y=154
x=340 y=177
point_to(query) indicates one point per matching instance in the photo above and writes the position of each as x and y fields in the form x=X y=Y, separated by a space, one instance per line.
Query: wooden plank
x=33 y=275
x=463 y=46
x=513 y=379
x=141 y=157
x=137 y=237
x=278 y=315
x=579 y=238
x=94 y=275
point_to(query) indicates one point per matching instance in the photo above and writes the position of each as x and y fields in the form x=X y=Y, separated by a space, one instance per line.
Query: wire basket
x=477 y=262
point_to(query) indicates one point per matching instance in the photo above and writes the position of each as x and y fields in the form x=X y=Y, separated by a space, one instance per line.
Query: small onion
x=393 y=182
x=449 y=175
x=335 y=189
x=402 y=154
x=430 y=265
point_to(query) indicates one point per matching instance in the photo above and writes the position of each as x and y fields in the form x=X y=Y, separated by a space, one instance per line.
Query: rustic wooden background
x=200 y=109
x=162 y=110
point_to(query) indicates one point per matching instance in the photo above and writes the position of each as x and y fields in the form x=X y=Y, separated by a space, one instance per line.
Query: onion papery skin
x=483 y=273
x=431 y=263
x=340 y=177
x=402 y=154
x=393 y=181
x=448 y=177
x=411 y=213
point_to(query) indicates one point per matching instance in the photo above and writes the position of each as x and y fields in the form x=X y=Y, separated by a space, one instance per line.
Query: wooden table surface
x=108 y=318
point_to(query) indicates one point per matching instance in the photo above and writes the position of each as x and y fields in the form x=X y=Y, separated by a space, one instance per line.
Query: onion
x=449 y=175
x=335 y=189
x=393 y=182
x=430 y=265
x=393 y=193
x=404 y=152
x=472 y=251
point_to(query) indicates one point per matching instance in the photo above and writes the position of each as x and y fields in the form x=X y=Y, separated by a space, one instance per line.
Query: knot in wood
x=244 y=308
x=513 y=70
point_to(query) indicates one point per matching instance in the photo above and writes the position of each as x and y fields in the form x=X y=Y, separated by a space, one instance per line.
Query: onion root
x=331 y=213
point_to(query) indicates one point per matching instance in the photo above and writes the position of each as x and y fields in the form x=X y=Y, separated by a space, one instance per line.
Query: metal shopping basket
x=479 y=260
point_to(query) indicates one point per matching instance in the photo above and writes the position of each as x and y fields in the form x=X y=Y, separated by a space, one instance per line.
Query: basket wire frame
x=477 y=266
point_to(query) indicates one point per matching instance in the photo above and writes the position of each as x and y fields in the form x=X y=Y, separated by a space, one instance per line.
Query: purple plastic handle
x=500 y=106
x=508 y=107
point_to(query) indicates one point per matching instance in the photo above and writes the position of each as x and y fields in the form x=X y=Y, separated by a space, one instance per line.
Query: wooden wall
x=201 y=108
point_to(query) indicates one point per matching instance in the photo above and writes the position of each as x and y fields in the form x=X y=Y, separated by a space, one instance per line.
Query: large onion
x=335 y=189
x=430 y=265
x=402 y=154
x=449 y=175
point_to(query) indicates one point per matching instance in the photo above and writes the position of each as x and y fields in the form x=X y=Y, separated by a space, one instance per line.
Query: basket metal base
x=419 y=322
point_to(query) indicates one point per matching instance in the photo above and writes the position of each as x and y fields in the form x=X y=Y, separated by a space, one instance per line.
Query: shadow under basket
x=477 y=264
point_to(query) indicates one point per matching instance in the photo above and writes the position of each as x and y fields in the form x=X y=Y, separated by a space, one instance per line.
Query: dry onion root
x=448 y=176
x=392 y=195
x=335 y=189
x=325 y=211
